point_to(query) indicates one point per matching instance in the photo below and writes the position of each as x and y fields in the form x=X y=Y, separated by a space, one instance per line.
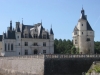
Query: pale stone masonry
x=27 y=40
x=83 y=35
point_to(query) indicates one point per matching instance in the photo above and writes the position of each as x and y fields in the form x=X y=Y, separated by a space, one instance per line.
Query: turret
x=83 y=35
x=51 y=41
x=51 y=33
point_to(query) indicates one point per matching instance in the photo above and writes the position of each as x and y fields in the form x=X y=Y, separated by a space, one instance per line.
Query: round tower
x=83 y=35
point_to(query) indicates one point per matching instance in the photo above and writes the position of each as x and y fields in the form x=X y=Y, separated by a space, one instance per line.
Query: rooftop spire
x=51 y=25
x=51 y=31
x=22 y=21
x=82 y=11
x=41 y=21
x=82 y=7
x=83 y=16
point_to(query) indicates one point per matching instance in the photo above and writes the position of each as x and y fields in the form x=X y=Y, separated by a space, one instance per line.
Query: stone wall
x=47 y=64
x=69 y=65
x=22 y=65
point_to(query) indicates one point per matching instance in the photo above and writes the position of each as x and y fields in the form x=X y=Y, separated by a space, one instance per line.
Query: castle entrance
x=35 y=51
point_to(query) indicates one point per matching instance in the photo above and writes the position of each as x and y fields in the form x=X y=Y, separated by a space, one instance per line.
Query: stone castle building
x=27 y=40
x=83 y=35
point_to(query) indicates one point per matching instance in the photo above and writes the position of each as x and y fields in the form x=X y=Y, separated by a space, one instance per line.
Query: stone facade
x=83 y=35
x=27 y=40
x=47 y=64
x=22 y=65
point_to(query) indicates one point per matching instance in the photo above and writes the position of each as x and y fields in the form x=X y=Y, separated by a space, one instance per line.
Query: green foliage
x=62 y=46
x=66 y=47
x=97 y=47
x=73 y=50
x=96 y=68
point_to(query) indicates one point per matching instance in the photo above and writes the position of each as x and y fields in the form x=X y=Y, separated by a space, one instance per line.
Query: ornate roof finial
x=82 y=7
x=22 y=20
x=51 y=25
x=41 y=21
x=10 y=21
x=51 y=31
x=82 y=11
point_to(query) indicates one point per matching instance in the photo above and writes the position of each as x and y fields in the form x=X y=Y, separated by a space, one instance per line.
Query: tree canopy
x=66 y=47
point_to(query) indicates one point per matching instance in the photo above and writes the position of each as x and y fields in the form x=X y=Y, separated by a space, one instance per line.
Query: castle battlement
x=54 y=56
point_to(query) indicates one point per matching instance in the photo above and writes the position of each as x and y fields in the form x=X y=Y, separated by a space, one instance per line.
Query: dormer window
x=35 y=30
x=44 y=36
x=35 y=36
x=26 y=35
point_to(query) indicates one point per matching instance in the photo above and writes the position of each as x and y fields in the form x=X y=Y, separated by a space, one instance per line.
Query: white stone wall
x=9 y=52
x=20 y=49
x=85 y=47
x=23 y=65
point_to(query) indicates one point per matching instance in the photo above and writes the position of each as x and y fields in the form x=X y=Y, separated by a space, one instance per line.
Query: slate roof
x=75 y=29
x=38 y=26
x=83 y=17
x=51 y=31
x=89 y=27
x=10 y=34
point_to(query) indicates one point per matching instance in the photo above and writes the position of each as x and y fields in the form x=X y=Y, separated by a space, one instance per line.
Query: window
x=11 y=46
x=44 y=43
x=26 y=52
x=19 y=53
x=26 y=35
x=35 y=35
x=82 y=24
x=35 y=44
x=19 y=44
x=75 y=41
x=26 y=43
x=44 y=51
x=82 y=32
x=35 y=30
x=44 y=36
x=88 y=39
x=5 y=46
x=17 y=36
x=8 y=46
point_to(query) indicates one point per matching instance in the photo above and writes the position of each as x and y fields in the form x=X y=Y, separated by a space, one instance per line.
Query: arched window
x=8 y=46
x=5 y=46
x=11 y=46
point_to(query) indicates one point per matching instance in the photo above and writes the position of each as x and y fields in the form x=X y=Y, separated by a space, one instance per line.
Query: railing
x=24 y=57
x=55 y=56
x=73 y=56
